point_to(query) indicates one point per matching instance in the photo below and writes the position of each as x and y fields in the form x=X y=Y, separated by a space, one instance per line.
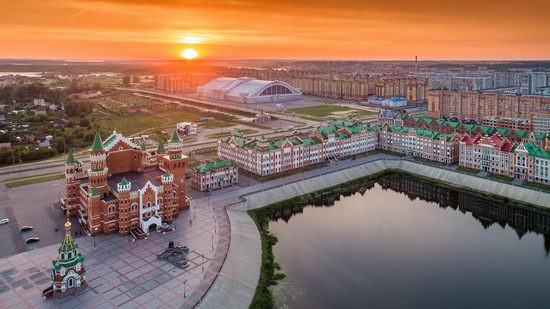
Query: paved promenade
x=127 y=274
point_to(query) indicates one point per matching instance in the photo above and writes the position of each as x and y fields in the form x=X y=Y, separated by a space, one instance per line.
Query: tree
x=135 y=79
x=84 y=122
x=126 y=81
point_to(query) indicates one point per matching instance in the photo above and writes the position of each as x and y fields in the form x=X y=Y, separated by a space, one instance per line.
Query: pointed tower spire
x=68 y=243
x=175 y=138
x=97 y=144
x=70 y=157
x=160 y=149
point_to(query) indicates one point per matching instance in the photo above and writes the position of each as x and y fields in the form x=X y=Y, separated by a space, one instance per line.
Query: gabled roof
x=212 y=166
x=535 y=151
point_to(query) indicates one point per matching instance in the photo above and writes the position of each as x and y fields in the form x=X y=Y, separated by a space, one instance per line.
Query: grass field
x=128 y=124
x=32 y=180
x=132 y=124
x=216 y=123
x=330 y=110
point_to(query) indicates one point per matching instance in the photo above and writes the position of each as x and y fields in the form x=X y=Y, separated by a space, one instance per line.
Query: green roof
x=123 y=182
x=469 y=127
x=68 y=244
x=97 y=144
x=535 y=151
x=175 y=138
x=70 y=157
x=160 y=149
x=522 y=133
x=142 y=146
x=94 y=192
x=212 y=165
x=167 y=174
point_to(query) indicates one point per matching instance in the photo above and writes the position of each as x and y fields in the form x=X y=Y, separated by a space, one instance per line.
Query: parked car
x=5 y=221
x=26 y=228
x=32 y=239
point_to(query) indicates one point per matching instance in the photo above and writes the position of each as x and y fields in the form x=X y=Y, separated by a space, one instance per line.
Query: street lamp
x=90 y=235
x=184 y=288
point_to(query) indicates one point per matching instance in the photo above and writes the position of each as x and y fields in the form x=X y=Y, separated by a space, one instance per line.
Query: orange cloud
x=301 y=29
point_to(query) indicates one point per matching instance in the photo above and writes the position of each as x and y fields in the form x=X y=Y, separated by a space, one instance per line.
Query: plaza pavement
x=128 y=274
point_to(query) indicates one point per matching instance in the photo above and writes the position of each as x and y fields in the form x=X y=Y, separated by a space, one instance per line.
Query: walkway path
x=236 y=283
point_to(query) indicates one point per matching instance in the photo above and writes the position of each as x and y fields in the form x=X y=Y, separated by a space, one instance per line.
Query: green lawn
x=129 y=124
x=537 y=186
x=330 y=110
x=32 y=180
x=214 y=124
x=466 y=170
x=500 y=178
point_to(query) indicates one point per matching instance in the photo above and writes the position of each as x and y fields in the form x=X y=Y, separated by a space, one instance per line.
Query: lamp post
x=185 y=288
x=90 y=235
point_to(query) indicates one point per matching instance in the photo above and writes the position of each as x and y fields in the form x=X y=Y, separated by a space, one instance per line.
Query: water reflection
x=402 y=243
x=486 y=211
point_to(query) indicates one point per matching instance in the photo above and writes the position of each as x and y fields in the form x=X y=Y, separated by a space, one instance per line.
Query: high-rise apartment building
x=479 y=105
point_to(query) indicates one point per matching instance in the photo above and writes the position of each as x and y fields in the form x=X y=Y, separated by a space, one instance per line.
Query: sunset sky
x=282 y=29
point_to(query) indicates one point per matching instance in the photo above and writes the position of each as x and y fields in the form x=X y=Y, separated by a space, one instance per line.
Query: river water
x=403 y=243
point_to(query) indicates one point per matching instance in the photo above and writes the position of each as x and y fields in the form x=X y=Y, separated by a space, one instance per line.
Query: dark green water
x=402 y=243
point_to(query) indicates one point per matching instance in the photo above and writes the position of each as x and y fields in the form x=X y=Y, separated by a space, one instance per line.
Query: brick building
x=264 y=157
x=214 y=175
x=126 y=189
x=421 y=143
x=498 y=155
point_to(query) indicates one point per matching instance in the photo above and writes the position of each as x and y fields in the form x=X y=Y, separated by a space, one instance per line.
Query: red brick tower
x=167 y=207
x=176 y=165
x=97 y=175
x=73 y=168
x=123 y=191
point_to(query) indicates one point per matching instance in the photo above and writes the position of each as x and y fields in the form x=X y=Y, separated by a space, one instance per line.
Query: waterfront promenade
x=245 y=249
x=228 y=273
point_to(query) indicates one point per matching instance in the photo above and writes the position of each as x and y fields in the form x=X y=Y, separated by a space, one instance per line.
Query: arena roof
x=248 y=87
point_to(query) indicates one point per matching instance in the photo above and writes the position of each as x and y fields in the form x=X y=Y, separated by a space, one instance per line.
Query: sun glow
x=191 y=40
x=189 y=54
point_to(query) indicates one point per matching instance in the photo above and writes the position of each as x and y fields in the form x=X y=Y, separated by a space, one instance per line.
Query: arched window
x=148 y=204
x=111 y=209
x=159 y=201
x=134 y=206
x=70 y=282
x=69 y=255
x=276 y=89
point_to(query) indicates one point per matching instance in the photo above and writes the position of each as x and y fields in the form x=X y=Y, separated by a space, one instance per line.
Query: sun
x=189 y=54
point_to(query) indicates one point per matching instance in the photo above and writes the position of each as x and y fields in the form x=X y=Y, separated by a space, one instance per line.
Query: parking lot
x=32 y=205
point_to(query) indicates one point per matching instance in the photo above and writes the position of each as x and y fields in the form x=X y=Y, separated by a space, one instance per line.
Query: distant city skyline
x=250 y=29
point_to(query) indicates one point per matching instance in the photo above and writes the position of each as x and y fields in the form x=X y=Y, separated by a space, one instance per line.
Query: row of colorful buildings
x=358 y=88
x=515 y=111
x=501 y=151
